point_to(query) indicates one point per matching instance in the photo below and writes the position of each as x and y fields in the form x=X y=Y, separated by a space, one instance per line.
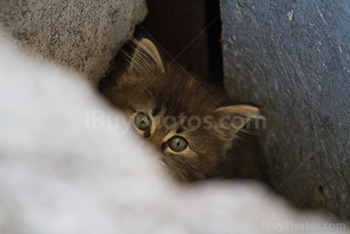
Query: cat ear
x=232 y=119
x=146 y=58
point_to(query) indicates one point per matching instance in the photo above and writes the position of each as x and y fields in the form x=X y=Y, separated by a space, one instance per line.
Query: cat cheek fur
x=185 y=166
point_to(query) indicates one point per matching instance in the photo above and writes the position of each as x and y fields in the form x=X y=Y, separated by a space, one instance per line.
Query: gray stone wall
x=293 y=59
x=81 y=35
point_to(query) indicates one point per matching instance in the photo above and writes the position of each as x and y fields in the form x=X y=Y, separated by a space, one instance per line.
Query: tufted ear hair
x=146 y=58
x=232 y=119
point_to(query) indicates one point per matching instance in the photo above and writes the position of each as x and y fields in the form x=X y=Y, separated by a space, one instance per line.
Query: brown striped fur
x=160 y=91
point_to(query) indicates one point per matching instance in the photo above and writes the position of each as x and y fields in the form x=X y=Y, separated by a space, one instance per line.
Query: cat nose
x=147 y=134
x=156 y=141
x=164 y=145
x=161 y=158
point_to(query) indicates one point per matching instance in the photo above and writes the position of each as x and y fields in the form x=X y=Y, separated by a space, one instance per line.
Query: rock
x=70 y=164
x=296 y=67
x=82 y=35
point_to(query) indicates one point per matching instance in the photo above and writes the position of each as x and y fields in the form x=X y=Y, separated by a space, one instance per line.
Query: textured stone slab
x=82 y=35
x=293 y=59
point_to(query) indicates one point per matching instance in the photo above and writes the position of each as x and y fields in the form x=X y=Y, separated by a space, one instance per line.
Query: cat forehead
x=168 y=110
x=173 y=95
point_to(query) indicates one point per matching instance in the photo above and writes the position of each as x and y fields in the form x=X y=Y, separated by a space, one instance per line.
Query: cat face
x=188 y=128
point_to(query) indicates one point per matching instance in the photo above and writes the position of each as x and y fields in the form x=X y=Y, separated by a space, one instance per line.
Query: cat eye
x=177 y=143
x=143 y=121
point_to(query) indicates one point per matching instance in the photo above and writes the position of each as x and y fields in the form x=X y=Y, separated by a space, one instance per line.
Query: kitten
x=190 y=129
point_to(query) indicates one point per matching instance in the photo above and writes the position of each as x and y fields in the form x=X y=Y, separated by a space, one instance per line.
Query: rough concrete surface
x=293 y=59
x=71 y=164
x=79 y=34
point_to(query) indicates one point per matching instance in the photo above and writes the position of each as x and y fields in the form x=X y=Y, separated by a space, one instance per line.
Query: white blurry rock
x=63 y=172
x=79 y=34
